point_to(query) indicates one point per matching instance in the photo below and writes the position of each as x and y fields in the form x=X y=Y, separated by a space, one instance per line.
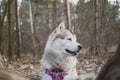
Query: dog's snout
x=80 y=47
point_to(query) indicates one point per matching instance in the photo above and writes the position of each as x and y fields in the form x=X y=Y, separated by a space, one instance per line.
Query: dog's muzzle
x=74 y=52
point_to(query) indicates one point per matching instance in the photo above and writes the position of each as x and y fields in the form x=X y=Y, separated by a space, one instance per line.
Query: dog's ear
x=60 y=27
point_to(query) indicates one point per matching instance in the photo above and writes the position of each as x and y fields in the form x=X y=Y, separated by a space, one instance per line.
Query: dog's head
x=61 y=41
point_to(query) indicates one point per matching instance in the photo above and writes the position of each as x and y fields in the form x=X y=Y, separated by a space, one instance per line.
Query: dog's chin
x=73 y=53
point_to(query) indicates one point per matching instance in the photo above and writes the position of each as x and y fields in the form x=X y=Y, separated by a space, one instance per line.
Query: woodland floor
x=30 y=66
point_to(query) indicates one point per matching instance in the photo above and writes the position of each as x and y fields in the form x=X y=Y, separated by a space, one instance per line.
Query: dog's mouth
x=72 y=52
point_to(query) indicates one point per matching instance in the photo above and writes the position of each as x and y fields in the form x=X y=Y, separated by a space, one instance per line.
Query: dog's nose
x=80 y=47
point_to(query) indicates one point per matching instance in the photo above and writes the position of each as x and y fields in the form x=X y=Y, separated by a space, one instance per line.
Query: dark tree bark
x=18 y=30
x=2 y=17
x=10 y=31
x=0 y=31
x=55 y=15
x=96 y=28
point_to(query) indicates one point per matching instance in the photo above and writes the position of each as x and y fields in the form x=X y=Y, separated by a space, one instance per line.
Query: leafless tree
x=32 y=28
x=18 y=30
x=68 y=18
x=96 y=28
x=10 y=31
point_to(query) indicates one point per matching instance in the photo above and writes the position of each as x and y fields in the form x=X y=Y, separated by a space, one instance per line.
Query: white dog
x=59 y=58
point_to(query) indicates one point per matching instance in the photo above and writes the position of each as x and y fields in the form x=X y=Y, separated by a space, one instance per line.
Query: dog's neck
x=57 y=62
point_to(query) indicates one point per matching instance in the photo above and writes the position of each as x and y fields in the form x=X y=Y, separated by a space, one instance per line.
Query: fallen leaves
x=31 y=67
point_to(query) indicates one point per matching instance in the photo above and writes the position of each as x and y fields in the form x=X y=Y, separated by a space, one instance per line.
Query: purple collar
x=56 y=74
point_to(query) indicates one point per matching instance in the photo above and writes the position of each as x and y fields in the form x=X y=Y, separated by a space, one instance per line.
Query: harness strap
x=56 y=75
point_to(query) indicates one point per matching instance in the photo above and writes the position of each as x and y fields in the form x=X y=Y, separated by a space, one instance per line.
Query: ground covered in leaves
x=31 y=67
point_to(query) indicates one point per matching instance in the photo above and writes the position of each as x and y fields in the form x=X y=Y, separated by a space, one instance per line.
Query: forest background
x=26 y=24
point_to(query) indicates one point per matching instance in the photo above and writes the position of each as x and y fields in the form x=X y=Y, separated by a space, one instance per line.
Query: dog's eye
x=69 y=39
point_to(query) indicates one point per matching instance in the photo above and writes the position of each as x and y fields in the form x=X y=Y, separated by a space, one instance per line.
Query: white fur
x=55 y=55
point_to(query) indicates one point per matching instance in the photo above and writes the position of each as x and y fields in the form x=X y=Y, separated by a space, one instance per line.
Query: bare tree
x=32 y=28
x=18 y=30
x=48 y=13
x=96 y=27
x=68 y=19
x=55 y=7
x=0 y=30
x=2 y=18
x=10 y=31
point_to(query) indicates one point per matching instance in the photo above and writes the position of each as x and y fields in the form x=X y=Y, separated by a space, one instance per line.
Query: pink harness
x=56 y=75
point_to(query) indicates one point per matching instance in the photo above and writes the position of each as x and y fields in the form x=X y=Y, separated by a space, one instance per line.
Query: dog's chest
x=63 y=64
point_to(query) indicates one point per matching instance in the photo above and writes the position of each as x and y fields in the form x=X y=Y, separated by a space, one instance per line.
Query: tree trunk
x=68 y=19
x=0 y=32
x=32 y=28
x=118 y=50
x=91 y=49
x=10 y=31
x=104 y=35
x=18 y=30
x=48 y=13
x=96 y=28
x=55 y=7
x=2 y=18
